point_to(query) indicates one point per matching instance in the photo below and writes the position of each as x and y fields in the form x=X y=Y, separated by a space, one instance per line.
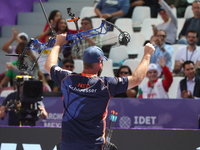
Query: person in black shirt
x=12 y=106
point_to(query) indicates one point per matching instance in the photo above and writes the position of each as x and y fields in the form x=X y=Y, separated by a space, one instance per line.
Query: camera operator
x=24 y=110
x=14 y=119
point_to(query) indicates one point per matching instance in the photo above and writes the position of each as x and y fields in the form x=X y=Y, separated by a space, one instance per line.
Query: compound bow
x=123 y=38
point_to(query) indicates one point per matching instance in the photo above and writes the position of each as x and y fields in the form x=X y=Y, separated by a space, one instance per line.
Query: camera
x=30 y=91
x=28 y=99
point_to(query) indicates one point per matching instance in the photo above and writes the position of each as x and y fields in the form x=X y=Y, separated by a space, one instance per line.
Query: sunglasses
x=69 y=66
x=161 y=36
x=123 y=72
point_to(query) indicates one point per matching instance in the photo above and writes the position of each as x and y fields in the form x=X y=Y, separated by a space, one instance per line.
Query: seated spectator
x=54 y=16
x=67 y=64
x=156 y=87
x=191 y=24
x=9 y=48
x=112 y=10
x=59 y=28
x=189 y=87
x=191 y=52
x=86 y=24
x=125 y=71
x=58 y=25
x=169 y=24
x=161 y=49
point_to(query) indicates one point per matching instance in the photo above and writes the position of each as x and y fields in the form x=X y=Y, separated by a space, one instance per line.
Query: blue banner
x=156 y=113
x=134 y=113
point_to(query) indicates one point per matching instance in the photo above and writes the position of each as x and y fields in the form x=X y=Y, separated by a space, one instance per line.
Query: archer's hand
x=149 y=49
x=61 y=39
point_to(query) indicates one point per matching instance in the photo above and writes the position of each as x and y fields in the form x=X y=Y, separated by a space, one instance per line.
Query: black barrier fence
x=124 y=139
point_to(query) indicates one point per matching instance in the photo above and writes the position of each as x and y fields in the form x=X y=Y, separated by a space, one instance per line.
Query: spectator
x=161 y=49
x=169 y=24
x=67 y=64
x=86 y=24
x=54 y=16
x=125 y=71
x=112 y=10
x=191 y=23
x=10 y=49
x=13 y=70
x=189 y=87
x=60 y=27
x=156 y=87
x=191 y=52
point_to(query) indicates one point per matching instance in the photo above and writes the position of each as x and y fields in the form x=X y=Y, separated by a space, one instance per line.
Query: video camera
x=29 y=89
x=28 y=99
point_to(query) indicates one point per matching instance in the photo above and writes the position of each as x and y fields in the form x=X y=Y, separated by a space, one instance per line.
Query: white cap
x=153 y=66
x=23 y=34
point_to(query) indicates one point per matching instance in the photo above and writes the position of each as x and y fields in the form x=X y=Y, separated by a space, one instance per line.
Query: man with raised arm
x=86 y=95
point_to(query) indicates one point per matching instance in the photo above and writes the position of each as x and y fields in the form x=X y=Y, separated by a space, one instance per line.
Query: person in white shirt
x=156 y=87
x=190 y=52
x=189 y=87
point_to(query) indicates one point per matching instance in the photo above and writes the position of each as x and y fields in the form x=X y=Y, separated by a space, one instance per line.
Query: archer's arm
x=140 y=72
